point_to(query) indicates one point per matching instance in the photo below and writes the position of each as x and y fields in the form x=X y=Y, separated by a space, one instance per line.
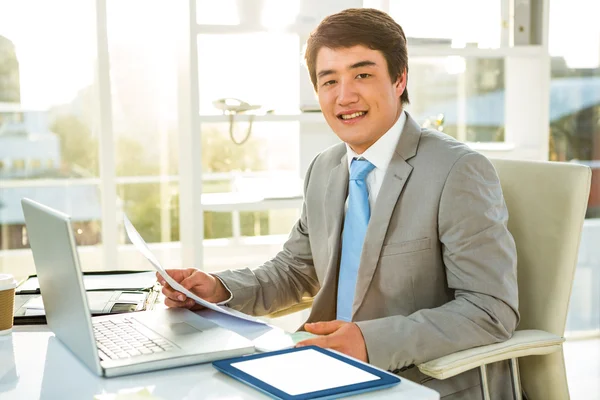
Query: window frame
x=526 y=115
x=526 y=133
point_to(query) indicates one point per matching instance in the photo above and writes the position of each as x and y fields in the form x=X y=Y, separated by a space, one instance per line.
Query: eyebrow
x=360 y=64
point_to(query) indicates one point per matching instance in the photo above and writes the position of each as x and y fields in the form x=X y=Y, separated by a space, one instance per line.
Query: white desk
x=34 y=364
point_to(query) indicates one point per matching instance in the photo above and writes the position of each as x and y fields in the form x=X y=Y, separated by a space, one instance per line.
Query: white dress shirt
x=379 y=154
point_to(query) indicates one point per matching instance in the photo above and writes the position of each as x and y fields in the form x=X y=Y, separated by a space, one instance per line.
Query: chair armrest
x=306 y=302
x=521 y=344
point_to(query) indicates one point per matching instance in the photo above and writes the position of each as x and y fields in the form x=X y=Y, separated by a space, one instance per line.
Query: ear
x=400 y=84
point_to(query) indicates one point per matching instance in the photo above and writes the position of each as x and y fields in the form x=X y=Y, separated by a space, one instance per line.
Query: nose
x=347 y=93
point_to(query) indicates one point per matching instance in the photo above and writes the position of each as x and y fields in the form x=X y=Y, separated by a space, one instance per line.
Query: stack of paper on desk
x=108 y=292
x=120 y=280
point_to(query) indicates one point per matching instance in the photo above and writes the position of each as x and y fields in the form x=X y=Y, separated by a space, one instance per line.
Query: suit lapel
x=335 y=200
x=393 y=183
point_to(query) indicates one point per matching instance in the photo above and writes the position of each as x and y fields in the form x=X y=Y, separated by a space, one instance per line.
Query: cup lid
x=7 y=282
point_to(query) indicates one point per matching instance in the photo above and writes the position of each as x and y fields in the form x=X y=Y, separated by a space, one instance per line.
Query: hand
x=345 y=337
x=200 y=283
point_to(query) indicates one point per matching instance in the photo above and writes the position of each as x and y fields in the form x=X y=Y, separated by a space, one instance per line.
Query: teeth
x=353 y=115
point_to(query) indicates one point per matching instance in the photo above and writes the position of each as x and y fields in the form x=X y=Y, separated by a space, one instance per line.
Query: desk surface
x=34 y=364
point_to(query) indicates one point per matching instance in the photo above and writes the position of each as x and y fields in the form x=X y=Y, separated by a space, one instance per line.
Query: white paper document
x=131 y=281
x=97 y=301
x=32 y=312
x=126 y=281
x=141 y=245
x=35 y=303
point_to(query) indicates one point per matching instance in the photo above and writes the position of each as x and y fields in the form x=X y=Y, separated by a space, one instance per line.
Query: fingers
x=347 y=339
x=173 y=294
x=188 y=303
x=196 y=307
x=173 y=273
x=178 y=274
x=202 y=285
x=323 y=341
x=324 y=327
x=168 y=290
x=196 y=278
x=188 y=278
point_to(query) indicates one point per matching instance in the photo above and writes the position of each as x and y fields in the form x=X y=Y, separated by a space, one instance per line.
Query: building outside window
x=45 y=136
x=574 y=45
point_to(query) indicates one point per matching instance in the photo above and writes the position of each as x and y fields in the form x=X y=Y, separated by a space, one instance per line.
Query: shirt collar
x=380 y=153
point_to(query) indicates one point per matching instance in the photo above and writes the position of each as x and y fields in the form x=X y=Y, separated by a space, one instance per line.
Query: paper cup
x=7 y=302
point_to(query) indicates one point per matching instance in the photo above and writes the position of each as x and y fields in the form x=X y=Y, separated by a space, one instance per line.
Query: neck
x=360 y=149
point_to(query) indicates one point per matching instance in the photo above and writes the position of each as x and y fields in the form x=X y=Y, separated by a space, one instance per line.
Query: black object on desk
x=108 y=292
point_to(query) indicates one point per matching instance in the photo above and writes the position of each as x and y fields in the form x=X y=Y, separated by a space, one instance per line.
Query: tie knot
x=359 y=169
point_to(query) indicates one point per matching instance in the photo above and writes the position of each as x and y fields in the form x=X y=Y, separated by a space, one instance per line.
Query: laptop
x=118 y=344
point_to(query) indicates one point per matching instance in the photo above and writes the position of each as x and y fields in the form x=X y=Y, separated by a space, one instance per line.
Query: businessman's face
x=357 y=96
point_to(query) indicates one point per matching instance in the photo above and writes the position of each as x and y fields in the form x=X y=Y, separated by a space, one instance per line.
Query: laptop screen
x=60 y=278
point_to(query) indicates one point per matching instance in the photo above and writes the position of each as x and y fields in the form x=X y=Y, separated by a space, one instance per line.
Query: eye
x=328 y=83
x=363 y=76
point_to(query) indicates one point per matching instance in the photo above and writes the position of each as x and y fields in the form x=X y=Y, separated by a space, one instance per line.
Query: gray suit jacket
x=438 y=268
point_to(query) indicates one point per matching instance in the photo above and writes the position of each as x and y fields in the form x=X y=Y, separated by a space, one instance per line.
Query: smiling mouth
x=347 y=117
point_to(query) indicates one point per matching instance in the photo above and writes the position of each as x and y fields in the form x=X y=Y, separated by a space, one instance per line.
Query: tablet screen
x=318 y=371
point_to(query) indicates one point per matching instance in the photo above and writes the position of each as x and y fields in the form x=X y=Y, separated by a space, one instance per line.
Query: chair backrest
x=546 y=204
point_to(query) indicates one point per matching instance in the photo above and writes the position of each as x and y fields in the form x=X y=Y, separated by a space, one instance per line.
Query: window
x=45 y=100
x=463 y=97
x=460 y=23
x=469 y=61
x=224 y=12
x=267 y=164
x=264 y=166
x=18 y=164
x=575 y=137
x=143 y=76
x=24 y=238
x=271 y=82
x=166 y=157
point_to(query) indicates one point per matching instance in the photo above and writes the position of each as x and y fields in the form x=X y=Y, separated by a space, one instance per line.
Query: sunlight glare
x=279 y=14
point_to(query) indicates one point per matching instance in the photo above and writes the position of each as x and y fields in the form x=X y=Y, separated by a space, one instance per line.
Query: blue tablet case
x=385 y=379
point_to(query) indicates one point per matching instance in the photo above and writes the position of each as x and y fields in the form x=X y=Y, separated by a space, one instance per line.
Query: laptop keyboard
x=125 y=338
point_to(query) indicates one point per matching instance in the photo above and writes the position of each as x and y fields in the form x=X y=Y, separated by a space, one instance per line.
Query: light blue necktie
x=355 y=228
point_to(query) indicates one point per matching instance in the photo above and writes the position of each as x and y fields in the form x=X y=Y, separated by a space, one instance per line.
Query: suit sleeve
x=480 y=259
x=280 y=282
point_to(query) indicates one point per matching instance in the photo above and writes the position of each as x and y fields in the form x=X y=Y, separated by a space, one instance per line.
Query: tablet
x=307 y=372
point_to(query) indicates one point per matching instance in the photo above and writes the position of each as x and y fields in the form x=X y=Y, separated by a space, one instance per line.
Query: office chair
x=546 y=206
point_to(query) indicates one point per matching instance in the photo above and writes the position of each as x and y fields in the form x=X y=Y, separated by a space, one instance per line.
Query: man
x=402 y=239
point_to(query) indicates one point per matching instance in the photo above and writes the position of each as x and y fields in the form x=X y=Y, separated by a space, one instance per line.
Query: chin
x=353 y=141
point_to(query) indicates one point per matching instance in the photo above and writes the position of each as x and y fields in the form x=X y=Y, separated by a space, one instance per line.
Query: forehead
x=342 y=58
